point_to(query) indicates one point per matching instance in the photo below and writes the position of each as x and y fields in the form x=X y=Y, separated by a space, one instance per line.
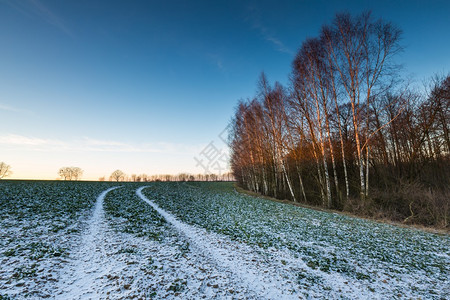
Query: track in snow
x=215 y=266
x=235 y=258
x=85 y=275
x=98 y=271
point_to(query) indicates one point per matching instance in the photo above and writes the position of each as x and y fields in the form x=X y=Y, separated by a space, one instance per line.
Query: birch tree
x=360 y=51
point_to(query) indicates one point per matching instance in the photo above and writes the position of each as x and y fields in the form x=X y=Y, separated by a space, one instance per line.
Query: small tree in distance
x=76 y=173
x=117 y=175
x=5 y=170
x=70 y=173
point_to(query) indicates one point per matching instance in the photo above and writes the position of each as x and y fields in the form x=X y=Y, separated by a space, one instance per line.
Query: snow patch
x=91 y=264
x=232 y=257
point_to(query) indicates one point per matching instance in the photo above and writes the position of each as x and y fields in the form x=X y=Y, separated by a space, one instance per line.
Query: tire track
x=237 y=259
x=83 y=277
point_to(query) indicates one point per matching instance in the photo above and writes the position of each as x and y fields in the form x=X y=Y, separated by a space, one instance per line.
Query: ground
x=81 y=240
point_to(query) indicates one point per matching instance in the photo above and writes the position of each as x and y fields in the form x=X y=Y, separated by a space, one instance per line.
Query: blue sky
x=145 y=86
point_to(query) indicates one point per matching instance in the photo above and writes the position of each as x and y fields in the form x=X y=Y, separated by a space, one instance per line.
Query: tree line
x=347 y=133
x=75 y=173
x=119 y=175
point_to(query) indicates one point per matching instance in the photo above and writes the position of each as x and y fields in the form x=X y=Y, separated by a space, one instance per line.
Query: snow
x=180 y=241
x=91 y=263
x=237 y=259
x=344 y=256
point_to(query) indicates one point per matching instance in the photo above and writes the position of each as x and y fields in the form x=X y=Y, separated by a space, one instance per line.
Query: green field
x=204 y=239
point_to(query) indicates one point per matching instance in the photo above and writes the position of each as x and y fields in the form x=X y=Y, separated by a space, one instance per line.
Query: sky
x=150 y=86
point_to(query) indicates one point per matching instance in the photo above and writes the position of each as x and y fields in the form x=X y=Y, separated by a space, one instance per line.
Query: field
x=79 y=240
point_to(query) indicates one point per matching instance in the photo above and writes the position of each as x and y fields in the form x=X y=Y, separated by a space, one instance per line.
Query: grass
x=358 y=249
x=37 y=218
x=126 y=212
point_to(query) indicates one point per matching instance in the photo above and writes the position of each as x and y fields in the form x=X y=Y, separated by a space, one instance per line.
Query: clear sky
x=146 y=86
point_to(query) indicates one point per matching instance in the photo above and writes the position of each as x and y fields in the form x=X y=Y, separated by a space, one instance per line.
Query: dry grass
x=359 y=211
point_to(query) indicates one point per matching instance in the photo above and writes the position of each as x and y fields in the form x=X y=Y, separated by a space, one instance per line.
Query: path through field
x=210 y=268
x=214 y=266
x=237 y=260
x=264 y=274
x=174 y=241
x=85 y=276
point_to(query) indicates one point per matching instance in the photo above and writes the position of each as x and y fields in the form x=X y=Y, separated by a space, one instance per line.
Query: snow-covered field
x=79 y=240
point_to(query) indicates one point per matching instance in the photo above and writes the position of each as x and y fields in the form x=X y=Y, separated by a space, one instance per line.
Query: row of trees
x=119 y=175
x=345 y=134
x=75 y=173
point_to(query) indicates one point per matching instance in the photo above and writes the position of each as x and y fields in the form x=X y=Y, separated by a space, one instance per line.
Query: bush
x=413 y=203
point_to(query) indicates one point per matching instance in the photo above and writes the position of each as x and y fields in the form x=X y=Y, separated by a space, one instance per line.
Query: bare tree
x=5 y=170
x=183 y=177
x=76 y=173
x=347 y=115
x=312 y=85
x=117 y=175
x=360 y=50
x=65 y=173
x=70 y=173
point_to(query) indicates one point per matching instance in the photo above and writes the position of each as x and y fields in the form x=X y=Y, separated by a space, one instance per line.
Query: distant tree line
x=75 y=173
x=193 y=177
x=346 y=133
x=119 y=175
